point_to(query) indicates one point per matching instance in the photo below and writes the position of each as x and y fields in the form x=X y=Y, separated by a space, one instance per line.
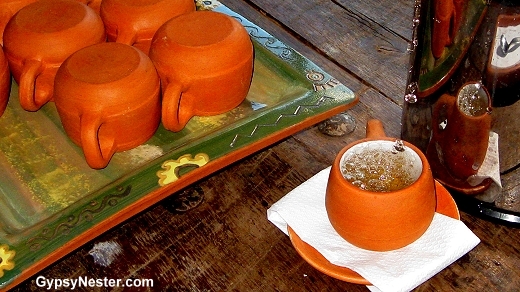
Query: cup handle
x=96 y=155
x=441 y=116
x=126 y=37
x=173 y=118
x=375 y=129
x=30 y=71
x=441 y=112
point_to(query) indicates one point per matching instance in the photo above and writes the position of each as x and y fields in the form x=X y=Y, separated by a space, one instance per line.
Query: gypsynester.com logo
x=86 y=282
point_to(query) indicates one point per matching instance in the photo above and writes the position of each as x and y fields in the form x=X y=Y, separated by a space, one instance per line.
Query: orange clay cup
x=134 y=22
x=40 y=37
x=7 y=9
x=5 y=82
x=381 y=221
x=205 y=60
x=108 y=99
x=460 y=131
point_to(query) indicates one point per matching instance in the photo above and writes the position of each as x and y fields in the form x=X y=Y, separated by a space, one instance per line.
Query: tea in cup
x=39 y=37
x=108 y=99
x=5 y=82
x=134 y=22
x=380 y=193
x=202 y=72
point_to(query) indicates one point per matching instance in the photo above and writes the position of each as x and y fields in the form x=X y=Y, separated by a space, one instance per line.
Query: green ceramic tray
x=51 y=202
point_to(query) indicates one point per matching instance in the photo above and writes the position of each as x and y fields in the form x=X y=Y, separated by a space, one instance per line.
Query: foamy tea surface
x=381 y=166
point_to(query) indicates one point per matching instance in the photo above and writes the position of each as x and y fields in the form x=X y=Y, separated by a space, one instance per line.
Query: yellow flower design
x=173 y=167
x=6 y=257
x=206 y=4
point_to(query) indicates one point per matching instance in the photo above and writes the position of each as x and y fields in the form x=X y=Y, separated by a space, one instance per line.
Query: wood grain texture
x=227 y=243
x=371 y=52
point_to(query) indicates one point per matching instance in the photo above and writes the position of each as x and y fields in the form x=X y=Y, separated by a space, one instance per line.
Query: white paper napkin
x=303 y=209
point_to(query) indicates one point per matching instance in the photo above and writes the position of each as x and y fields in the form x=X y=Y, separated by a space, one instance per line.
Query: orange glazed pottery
x=40 y=37
x=7 y=9
x=381 y=220
x=460 y=131
x=134 y=22
x=108 y=98
x=5 y=82
x=205 y=60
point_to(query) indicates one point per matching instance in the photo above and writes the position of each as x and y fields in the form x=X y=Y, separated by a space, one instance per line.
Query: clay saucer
x=445 y=205
x=443 y=176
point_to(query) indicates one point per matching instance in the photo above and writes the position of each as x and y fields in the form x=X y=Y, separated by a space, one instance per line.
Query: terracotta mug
x=108 y=99
x=460 y=130
x=5 y=82
x=8 y=8
x=202 y=73
x=380 y=193
x=134 y=22
x=40 y=37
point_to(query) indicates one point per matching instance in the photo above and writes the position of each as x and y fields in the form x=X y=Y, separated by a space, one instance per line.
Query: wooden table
x=226 y=242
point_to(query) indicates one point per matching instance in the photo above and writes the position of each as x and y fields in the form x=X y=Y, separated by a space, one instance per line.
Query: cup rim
x=480 y=88
x=426 y=169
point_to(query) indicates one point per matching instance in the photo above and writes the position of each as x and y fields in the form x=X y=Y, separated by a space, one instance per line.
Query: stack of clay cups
x=116 y=68
x=39 y=37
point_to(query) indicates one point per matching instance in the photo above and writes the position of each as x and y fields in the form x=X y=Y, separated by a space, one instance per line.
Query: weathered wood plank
x=294 y=41
x=395 y=16
x=372 y=53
